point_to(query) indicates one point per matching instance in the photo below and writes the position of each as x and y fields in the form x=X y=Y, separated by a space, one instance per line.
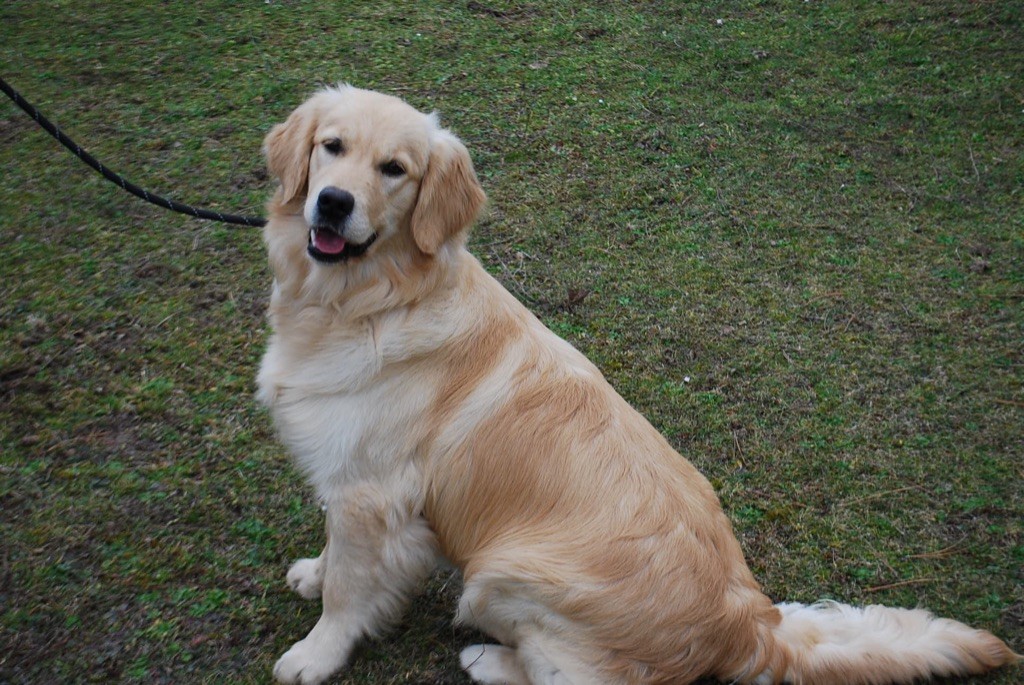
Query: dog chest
x=338 y=426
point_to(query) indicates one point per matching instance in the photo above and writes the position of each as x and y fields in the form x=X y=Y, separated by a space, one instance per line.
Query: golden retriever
x=438 y=419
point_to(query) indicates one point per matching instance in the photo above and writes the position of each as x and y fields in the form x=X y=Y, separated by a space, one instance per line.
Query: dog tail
x=831 y=643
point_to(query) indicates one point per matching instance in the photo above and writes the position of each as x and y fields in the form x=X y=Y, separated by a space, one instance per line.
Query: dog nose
x=334 y=204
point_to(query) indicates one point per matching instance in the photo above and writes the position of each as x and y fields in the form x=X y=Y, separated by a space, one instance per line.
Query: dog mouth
x=328 y=246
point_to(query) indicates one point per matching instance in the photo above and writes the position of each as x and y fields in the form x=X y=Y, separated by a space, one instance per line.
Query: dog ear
x=450 y=195
x=288 y=147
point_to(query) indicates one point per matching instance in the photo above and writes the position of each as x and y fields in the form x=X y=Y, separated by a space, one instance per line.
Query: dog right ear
x=288 y=148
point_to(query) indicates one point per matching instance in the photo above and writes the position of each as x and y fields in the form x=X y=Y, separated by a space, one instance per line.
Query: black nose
x=334 y=204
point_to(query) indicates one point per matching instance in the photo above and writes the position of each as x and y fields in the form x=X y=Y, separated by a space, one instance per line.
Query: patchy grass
x=789 y=232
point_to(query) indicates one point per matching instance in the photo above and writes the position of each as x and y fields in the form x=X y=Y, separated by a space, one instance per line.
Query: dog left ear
x=288 y=147
x=450 y=194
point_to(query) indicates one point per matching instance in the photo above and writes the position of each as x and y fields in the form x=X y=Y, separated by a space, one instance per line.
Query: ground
x=790 y=233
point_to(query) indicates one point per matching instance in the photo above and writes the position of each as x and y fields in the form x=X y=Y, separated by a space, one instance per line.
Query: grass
x=790 y=233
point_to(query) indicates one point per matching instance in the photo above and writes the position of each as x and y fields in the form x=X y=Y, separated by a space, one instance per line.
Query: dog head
x=368 y=173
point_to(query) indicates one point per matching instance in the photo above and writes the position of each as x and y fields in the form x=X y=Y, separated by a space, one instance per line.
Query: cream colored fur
x=436 y=417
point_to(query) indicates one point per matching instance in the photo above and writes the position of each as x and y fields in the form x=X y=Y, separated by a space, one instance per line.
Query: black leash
x=117 y=178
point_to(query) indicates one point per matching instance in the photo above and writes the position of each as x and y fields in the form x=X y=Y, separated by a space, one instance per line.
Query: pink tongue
x=328 y=242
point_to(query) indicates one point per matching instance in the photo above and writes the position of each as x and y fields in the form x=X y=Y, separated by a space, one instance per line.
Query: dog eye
x=334 y=146
x=392 y=168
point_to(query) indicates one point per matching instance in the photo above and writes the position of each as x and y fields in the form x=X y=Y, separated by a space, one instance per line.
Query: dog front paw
x=305 y=664
x=306 y=577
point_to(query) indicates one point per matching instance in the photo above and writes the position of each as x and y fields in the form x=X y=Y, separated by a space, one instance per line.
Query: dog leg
x=493 y=665
x=377 y=554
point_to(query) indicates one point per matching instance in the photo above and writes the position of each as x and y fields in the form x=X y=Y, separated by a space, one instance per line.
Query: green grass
x=793 y=238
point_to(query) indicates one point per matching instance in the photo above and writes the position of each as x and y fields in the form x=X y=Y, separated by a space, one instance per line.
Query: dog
x=438 y=419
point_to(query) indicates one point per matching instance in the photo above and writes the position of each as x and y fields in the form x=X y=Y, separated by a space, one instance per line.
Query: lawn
x=790 y=233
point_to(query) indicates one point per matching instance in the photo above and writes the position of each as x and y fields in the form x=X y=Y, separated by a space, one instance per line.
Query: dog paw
x=306 y=578
x=493 y=665
x=304 y=664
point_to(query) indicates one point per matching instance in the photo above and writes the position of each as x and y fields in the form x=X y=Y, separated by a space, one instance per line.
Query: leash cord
x=117 y=179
